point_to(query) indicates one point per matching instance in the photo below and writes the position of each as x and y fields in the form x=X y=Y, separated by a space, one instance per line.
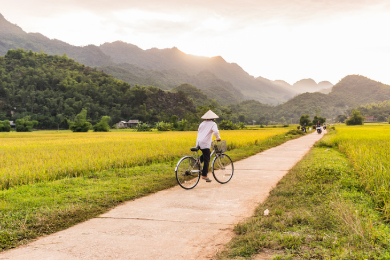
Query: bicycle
x=189 y=168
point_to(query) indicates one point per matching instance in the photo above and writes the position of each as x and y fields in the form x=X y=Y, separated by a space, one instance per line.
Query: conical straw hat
x=210 y=115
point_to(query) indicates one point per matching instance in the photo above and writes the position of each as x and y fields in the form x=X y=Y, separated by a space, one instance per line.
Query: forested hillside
x=355 y=90
x=51 y=89
x=196 y=95
x=163 y=68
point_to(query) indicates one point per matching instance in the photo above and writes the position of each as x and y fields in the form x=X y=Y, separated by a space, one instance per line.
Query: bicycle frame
x=197 y=158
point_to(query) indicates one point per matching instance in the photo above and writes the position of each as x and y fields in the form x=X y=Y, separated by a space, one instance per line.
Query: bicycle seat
x=194 y=149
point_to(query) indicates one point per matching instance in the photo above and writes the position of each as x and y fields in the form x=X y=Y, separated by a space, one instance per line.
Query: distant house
x=370 y=119
x=12 y=123
x=129 y=124
x=121 y=124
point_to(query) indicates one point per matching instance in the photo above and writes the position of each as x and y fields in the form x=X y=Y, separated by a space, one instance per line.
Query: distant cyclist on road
x=205 y=134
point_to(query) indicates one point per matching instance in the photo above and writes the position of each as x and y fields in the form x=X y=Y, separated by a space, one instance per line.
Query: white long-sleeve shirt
x=205 y=134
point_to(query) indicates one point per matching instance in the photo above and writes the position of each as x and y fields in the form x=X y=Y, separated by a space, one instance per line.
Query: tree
x=59 y=118
x=25 y=125
x=340 y=118
x=241 y=118
x=319 y=118
x=355 y=119
x=227 y=125
x=305 y=120
x=80 y=124
x=174 y=122
x=162 y=126
x=103 y=125
x=381 y=118
x=5 y=126
x=143 y=127
x=182 y=125
x=241 y=125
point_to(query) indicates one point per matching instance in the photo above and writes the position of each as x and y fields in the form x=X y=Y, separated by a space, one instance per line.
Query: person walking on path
x=205 y=134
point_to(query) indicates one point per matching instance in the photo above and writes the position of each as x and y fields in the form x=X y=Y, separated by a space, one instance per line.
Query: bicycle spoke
x=222 y=168
x=187 y=173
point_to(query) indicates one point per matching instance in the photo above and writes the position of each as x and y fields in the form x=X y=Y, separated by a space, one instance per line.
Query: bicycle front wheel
x=222 y=168
x=187 y=172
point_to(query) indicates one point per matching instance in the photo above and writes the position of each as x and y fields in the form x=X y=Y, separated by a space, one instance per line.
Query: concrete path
x=174 y=223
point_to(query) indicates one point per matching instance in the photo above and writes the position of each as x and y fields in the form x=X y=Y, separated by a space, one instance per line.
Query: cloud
x=233 y=9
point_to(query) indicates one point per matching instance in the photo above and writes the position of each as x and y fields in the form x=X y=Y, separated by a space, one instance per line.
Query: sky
x=289 y=40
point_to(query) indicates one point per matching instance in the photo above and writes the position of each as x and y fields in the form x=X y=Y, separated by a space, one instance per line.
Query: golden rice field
x=49 y=155
x=368 y=146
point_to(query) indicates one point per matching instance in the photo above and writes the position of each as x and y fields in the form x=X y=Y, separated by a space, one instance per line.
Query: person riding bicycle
x=318 y=126
x=205 y=134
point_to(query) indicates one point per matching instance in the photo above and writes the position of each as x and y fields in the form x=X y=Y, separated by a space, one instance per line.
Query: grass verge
x=30 y=211
x=317 y=211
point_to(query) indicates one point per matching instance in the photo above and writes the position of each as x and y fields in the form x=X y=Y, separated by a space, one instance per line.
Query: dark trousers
x=205 y=157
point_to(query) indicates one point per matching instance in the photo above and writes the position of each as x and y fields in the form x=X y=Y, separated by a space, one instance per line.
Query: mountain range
x=163 y=68
x=223 y=83
x=350 y=92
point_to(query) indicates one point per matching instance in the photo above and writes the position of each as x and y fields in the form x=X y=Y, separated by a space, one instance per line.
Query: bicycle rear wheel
x=187 y=172
x=222 y=168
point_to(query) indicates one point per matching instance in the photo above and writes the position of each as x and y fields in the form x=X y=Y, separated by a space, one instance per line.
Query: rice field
x=368 y=147
x=27 y=158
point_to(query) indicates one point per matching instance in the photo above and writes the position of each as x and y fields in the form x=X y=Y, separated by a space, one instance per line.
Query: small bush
x=182 y=125
x=5 y=126
x=25 y=125
x=227 y=125
x=162 y=126
x=295 y=132
x=241 y=125
x=143 y=127
x=355 y=119
x=80 y=124
x=103 y=125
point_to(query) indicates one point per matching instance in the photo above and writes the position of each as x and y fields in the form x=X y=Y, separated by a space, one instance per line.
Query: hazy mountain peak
x=281 y=83
x=305 y=82
x=325 y=84
x=120 y=44
x=7 y=27
x=218 y=59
